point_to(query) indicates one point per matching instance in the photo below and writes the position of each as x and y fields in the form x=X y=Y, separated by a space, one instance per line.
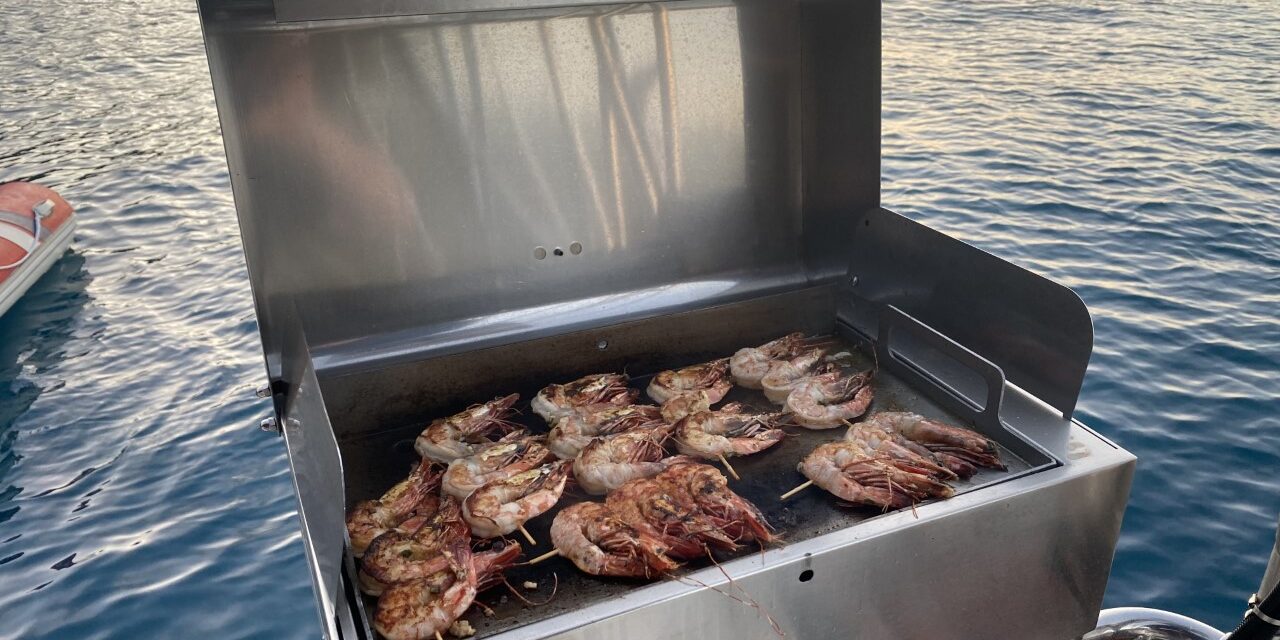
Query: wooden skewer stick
x=728 y=467
x=528 y=537
x=438 y=636
x=796 y=490
x=546 y=556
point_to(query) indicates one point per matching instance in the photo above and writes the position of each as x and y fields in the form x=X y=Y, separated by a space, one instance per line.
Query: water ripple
x=1125 y=151
x=1129 y=161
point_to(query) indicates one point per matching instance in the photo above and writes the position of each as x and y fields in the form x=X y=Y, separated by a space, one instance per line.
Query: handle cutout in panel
x=914 y=350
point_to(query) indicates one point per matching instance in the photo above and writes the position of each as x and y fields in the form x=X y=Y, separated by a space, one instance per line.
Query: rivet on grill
x=575 y=248
x=539 y=253
x=853 y=281
x=602 y=344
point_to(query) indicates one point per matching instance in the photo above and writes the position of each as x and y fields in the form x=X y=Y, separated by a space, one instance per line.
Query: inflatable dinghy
x=35 y=229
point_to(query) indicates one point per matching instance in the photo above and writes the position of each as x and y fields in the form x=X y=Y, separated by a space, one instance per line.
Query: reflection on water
x=1131 y=153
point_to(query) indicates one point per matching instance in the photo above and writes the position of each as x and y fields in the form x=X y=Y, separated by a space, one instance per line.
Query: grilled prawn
x=854 y=472
x=500 y=507
x=410 y=501
x=736 y=516
x=682 y=405
x=786 y=375
x=898 y=447
x=464 y=433
x=958 y=448
x=751 y=364
x=669 y=515
x=510 y=456
x=395 y=557
x=710 y=378
x=421 y=608
x=827 y=400
x=728 y=432
x=609 y=462
x=601 y=544
x=572 y=432
x=559 y=400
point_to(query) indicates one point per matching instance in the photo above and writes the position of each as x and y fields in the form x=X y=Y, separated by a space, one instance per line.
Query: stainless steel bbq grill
x=442 y=201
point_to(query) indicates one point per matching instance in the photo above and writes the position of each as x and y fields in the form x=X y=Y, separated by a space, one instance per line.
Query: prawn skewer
x=826 y=401
x=728 y=467
x=716 y=435
x=465 y=433
x=404 y=506
x=804 y=485
x=960 y=450
x=560 y=400
x=572 y=433
x=512 y=455
x=609 y=462
x=527 y=536
x=546 y=556
x=599 y=543
x=709 y=379
x=751 y=364
x=501 y=507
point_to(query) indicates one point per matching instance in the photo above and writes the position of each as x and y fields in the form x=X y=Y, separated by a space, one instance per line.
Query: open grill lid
x=436 y=181
x=425 y=178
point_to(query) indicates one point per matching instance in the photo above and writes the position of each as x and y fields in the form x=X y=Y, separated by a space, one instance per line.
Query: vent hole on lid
x=559 y=252
x=539 y=253
x=806 y=575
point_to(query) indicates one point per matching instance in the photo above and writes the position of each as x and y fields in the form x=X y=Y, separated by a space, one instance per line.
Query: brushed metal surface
x=1025 y=559
x=422 y=197
x=1037 y=331
x=394 y=395
x=298 y=10
x=374 y=461
x=400 y=175
x=317 y=475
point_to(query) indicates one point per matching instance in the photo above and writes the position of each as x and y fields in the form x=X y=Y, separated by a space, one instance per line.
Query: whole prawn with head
x=960 y=450
x=397 y=556
x=559 y=400
x=728 y=432
x=610 y=462
x=426 y=607
x=751 y=364
x=601 y=544
x=501 y=507
x=506 y=458
x=404 y=506
x=465 y=433
x=709 y=379
x=854 y=472
x=573 y=432
x=826 y=401
x=787 y=374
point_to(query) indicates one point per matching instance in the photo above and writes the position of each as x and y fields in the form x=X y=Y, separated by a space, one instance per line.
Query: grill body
x=445 y=201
